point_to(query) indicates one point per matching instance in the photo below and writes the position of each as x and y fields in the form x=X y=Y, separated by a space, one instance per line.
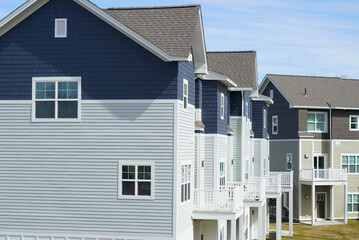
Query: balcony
x=286 y=178
x=273 y=183
x=254 y=189
x=226 y=199
x=323 y=175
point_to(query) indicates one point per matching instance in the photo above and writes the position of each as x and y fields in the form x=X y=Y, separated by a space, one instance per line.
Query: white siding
x=260 y=155
x=208 y=161
x=237 y=133
x=185 y=153
x=221 y=155
x=62 y=177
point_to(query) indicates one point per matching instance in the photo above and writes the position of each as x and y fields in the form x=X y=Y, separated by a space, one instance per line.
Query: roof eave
x=211 y=75
x=237 y=89
x=199 y=47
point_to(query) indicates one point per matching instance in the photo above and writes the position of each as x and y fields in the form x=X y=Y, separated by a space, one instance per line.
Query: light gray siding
x=237 y=145
x=260 y=156
x=208 y=161
x=63 y=177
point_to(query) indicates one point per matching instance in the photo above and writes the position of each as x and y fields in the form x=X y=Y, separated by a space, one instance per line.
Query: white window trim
x=222 y=106
x=315 y=122
x=119 y=179
x=351 y=193
x=56 y=79
x=185 y=101
x=348 y=155
x=56 y=22
x=265 y=118
x=222 y=161
x=184 y=163
x=273 y=117
x=286 y=161
x=350 y=122
x=271 y=94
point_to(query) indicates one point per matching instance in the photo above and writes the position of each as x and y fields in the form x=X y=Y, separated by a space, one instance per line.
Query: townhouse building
x=117 y=124
x=314 y=132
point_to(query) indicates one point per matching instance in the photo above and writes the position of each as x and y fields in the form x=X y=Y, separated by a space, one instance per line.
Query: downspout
x=330 y=137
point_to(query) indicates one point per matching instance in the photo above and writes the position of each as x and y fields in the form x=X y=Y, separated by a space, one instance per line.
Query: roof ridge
x=289 y=75
x=245 y=51
x=152 y=7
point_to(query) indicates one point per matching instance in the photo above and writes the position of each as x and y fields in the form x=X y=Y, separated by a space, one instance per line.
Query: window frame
x=222 y=174
x=271 y=93
x=352 y=203
x=185 y=97
x=222 y=106
x=350 y=123
x=264 y=118
x=315 y=122
x=277 y=125
x=185 y=183
x=356 y=164
x=56 y=100
x=57 y=20
x=136 y=164
x=286 y=161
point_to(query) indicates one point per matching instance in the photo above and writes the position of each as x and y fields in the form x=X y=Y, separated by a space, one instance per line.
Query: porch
x=329 y=175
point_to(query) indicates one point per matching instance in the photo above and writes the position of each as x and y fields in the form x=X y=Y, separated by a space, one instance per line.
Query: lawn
x=302 y=231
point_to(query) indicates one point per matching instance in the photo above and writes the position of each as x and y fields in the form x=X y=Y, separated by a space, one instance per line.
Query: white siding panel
x=208 y=161
x=62 y=177
x=237 y=133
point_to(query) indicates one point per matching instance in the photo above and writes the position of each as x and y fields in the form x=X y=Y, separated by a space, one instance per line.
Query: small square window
x=61 y=28
x=354 y=123
x=316 y=122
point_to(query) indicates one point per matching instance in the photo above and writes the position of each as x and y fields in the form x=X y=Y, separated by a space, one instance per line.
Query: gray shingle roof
x=240 y=66
x=321 y=91
x=171 y=28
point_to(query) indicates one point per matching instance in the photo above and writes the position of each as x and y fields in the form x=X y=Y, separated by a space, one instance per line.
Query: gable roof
x=239 y=66
x=321 y=92
x=171 y=28
x=167 y=32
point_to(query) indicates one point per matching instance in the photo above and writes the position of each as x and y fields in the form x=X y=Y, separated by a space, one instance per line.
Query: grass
x=302 y=231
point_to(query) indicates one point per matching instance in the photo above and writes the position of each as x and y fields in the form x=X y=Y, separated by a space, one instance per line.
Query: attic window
x=61 y=28
x=271 y=94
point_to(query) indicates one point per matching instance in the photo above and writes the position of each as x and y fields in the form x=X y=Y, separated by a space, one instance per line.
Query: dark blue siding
x=186 y=71
x=236 y=103
x=259 y=126
x=111 y=65
x=211 y=102
x=198 y=93
x=247 y=105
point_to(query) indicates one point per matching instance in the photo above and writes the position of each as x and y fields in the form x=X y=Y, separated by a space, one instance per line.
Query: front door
x=321 y=205
x=319 y=163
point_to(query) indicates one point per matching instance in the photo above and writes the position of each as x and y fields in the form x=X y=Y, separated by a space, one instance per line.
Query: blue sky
x=317 y=37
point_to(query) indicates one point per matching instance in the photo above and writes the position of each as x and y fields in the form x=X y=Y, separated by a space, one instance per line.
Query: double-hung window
x=186 y=183
x=354 y=123
x=60 y=28
x=185 y=93
x=135 y=180
x=222 y=174
x=56 y=98
x=317 y=122
x=351 y=163
x=222 y=106
x=274 y=124
x=289 y=161
x=353 y=202
x=264 y=118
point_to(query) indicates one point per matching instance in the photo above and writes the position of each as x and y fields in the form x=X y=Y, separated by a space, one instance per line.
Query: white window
x=185 y=93
x=271 y=94
x=246 y=173
x=289 y=161
x=317 y=122
x=56 y=98
x=186 y=183
x=222 y=174
x=136 y=180
x=60 y=28
x=351 y=163
x=264 y=118
x=353 y=202
x=247 y=110
x=354 y=123
x=274 y=124
x=222 y=106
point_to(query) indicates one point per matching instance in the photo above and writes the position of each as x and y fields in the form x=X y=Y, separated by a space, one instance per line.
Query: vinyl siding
x=185 y=153
x=340 y=126
x=222 y=142
x=63 y=177
x=208 y=161
x=237 y=148
x=260 y=155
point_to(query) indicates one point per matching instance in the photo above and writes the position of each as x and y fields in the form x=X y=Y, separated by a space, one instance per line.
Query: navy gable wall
x=259 y=127
x=198 y=93
x=111 y=65
x=236 y=104
x=211 y=102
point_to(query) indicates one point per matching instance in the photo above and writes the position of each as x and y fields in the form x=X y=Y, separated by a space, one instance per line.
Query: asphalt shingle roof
x=240 y=66
x=171 y=28
x=321 y=91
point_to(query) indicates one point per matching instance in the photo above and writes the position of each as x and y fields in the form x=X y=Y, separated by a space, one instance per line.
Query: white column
x=278 y=222
x=345 y=203
x=238 y=229
x=267 y=218
x=218 y=229
x=332 y=203
x=313 y=203
x=241 y=227
x=264 y=208
x=233 y=229
x=291 y=213
x=259 y=222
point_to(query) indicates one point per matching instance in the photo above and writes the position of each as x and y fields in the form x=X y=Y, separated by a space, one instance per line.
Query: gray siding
x=208 y=161
x=302 y=123
x=62 y=177
x=237 y=133
x=341 y=128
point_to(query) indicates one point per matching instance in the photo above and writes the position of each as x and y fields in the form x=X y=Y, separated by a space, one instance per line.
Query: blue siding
x=211 y=102
x=186 y=71
x=111 y=65
x=248 y=109
x=198 y=102
x=236 y=103
x=258 y=126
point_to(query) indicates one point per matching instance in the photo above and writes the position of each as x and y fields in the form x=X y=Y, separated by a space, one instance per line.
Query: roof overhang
x=218 y=77
x=265 y=83
x=31 y=6
x=237 y=89
x=325 y=108
x=199 y=48
x=263 y=98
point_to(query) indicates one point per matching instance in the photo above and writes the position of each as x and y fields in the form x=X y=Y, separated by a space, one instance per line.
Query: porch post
x=238 y=227
x=291 y=212
x=267 y=219
x=278 y=222
x=233 y=229
x=313 y=203
x=345 y=203
x=260 y=222
x=264 y=208
x=332 y=203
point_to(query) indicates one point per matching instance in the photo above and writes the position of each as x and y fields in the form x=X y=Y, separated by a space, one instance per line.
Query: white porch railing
x=230 y=198
x=254 y=188
x=286 y=178
x=273 y=183
x=323 y=174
